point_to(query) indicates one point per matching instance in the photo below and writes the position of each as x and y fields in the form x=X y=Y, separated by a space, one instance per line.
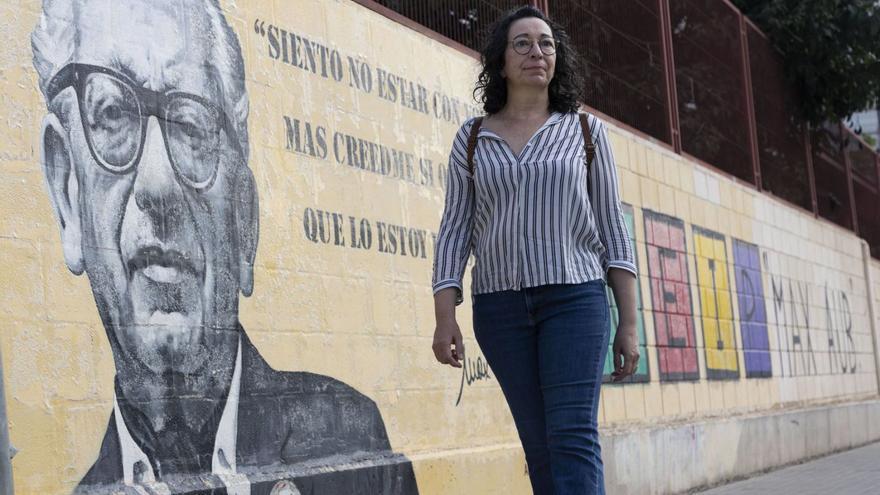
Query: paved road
x=853 y=472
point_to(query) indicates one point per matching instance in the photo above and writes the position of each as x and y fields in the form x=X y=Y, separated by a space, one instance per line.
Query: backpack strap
x=589 y=147
x=472 y=143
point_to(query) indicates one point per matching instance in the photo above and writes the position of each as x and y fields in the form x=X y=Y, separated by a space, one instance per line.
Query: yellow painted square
x=708 y=303
x=725 y=311
x=720 y=250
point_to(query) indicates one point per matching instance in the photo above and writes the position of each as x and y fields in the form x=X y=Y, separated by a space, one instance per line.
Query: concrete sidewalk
x=853 y=472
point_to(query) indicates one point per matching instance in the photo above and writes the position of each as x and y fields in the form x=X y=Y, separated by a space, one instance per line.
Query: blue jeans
x=546 y=346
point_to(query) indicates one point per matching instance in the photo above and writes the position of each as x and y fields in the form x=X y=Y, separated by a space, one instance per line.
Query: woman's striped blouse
x=529 y=220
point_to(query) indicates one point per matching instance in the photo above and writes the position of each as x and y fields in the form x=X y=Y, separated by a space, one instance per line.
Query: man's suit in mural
x=290 y=418
x=145 y=153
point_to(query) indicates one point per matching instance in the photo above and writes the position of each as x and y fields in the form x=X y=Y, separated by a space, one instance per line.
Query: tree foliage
x=830 y=50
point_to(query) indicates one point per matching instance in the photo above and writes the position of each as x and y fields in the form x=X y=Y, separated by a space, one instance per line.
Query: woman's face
x=534 y=68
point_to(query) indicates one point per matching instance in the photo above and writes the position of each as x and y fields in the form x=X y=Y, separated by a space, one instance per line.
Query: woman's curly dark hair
x=566 y=87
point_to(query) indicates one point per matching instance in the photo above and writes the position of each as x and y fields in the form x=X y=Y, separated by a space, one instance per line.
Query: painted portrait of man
x=144 y=148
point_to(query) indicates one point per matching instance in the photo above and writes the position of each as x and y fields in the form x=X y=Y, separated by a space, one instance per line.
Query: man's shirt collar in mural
x=136 y=466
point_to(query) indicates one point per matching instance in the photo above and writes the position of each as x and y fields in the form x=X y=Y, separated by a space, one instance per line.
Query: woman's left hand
x=626 y=352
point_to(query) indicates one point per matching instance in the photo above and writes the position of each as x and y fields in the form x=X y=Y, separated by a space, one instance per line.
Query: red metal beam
x=811 y=176
x=844 y=134
x=665 y=20
x=542 y=5
x=749 y=101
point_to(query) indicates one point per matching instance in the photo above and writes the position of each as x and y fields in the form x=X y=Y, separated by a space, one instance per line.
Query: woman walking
x=532 y=193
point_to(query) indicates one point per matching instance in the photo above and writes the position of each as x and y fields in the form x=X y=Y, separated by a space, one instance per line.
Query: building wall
x=869 y=124
x=747 y=305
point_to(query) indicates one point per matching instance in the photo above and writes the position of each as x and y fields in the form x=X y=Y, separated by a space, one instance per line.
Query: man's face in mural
x=155 y=198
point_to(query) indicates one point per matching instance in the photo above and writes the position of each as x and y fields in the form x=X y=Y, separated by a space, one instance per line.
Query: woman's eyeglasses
x=523 y=46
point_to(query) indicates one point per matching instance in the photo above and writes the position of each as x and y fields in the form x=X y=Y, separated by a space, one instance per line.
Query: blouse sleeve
x=605 y=200
x=456 y=226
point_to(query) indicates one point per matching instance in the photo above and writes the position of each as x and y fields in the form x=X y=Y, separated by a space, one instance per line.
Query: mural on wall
x=716 y=309
x=145 y=155
x=641 y=374
x=752 y=310
x=838 y=318
x=671 y=297
x=791 y=311
x=806 y=346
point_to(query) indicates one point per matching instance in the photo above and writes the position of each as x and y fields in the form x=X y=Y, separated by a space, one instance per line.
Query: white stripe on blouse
x=529 y=220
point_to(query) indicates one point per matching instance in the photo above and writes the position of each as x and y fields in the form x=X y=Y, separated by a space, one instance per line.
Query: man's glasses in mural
x=114 y=113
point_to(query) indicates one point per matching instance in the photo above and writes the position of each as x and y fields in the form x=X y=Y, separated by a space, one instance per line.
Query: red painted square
x=661 y=233
x=689 y=360
x=676 y=239
x=660 y=327
x=649 y=231
x=683 y=299
x=691 y=335
x=672 y=268
x=661 y=358
x=657 y=294
x=654 y=261
x=679 y=327
x=674 y=360
x=671 y=297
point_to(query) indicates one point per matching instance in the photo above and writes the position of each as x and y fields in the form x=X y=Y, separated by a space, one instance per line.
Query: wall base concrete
x=676 y=458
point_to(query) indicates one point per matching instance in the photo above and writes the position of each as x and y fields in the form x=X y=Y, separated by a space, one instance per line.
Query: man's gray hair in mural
x=144 y=149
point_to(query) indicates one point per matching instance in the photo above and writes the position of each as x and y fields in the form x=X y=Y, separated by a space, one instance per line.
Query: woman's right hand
x=448 y=346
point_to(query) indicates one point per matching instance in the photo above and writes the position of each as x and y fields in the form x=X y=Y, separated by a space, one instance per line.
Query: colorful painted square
x=641 y=374
x=716 y=310
x=671 y=297
x=752 y=310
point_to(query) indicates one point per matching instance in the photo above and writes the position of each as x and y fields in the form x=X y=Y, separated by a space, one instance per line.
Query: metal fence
x=781 y=135
x=464 y=21
x=710 y=83
x=865 y=180
x=621 y=44
x=700 y=77
x=832 y=188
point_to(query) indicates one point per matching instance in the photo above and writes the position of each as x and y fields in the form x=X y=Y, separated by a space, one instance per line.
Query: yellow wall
x=364 y=316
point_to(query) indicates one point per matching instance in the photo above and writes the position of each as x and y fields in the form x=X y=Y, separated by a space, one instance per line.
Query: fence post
x=5 y=451
x=665 y=19
x=750 y=101
x=811 y=175
x=845 y=136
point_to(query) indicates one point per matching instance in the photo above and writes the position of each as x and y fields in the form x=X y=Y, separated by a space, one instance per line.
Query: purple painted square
x=752 y=310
